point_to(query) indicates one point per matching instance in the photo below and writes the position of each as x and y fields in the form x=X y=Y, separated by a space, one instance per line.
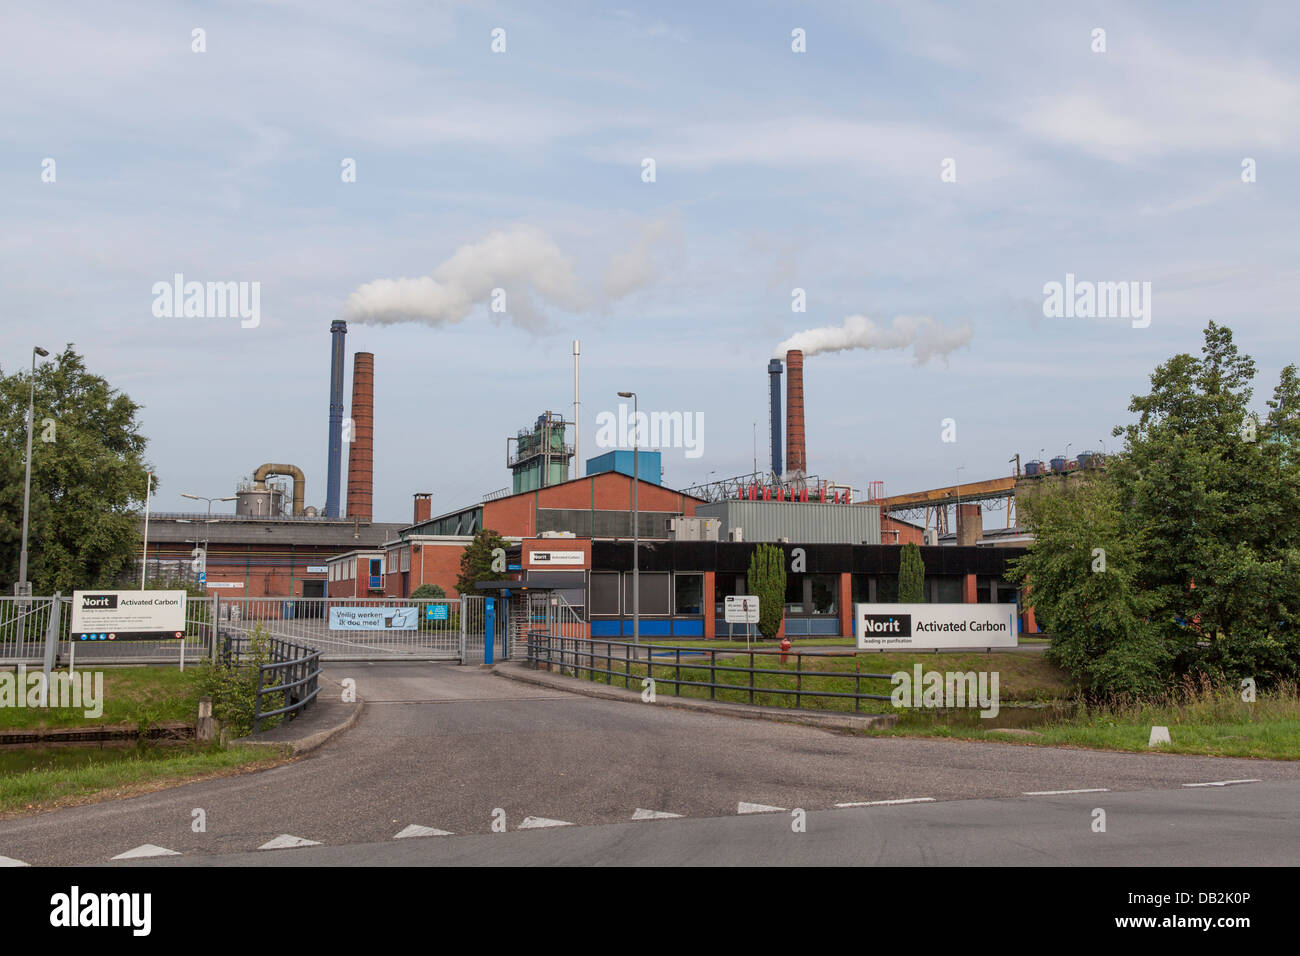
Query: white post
x=144 y=558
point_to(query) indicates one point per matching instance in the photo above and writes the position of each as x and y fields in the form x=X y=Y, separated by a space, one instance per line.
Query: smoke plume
x=926 y=337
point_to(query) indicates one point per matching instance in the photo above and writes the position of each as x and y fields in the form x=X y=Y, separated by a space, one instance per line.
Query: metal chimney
x=334 y=468
x=774 y=374
x=361 y=454
x=796 y=454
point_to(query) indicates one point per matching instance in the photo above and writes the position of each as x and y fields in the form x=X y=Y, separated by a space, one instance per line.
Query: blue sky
x=774 y=170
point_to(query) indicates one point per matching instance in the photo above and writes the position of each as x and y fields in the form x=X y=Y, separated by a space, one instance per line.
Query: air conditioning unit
x=930 y=538
x=735 y=534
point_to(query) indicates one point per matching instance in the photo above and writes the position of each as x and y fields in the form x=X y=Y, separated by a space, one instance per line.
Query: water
x=23 y=759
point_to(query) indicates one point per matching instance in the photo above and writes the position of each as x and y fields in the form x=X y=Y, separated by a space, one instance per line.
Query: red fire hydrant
x=785 y=647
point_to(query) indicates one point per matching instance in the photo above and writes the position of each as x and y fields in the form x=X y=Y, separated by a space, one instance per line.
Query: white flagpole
x=144 y=558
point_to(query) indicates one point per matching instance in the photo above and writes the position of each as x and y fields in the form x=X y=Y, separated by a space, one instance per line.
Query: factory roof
x=242 y=530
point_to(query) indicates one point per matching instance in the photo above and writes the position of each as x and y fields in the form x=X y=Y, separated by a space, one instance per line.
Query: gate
x=476 y=614
x=545 y=612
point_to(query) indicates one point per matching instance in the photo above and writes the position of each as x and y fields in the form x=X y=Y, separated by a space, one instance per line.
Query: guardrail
x=581 y=655
x=294 y=672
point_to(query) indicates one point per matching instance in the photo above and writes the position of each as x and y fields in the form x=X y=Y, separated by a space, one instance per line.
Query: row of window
x=346 y=570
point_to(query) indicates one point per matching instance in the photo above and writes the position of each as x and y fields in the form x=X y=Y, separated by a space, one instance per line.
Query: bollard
x=206 y=728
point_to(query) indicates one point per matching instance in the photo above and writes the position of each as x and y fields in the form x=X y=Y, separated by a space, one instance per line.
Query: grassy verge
x=132 y=695
x=1022 y=678
x=65 y=781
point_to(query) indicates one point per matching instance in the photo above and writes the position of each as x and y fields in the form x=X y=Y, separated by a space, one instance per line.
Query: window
x=947 y=589
x=887 y=589
x=794 y=593
x=825 y=593
x=688 y=593
x=655 y=593
x=604 y=592
x=724 y=583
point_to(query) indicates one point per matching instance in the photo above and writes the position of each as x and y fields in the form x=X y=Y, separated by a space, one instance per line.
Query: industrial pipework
x=289 y=471
x=334 y=468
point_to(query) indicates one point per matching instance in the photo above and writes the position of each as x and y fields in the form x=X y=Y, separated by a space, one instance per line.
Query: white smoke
x=523 y=262
x=926 y=337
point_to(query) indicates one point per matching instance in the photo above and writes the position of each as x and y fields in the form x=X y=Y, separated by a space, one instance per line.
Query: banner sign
x=556 y=557
x=127 y=615
x=374 y=618
x=901 y=627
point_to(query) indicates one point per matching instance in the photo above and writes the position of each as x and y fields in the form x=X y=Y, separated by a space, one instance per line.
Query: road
x=453 y=749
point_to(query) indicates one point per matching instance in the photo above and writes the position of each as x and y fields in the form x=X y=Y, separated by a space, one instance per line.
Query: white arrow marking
x=10 y=861
x=743 y=807
x=653 y=815
x=1221 y=783
x=286 y=841
x=537 y=823
x=1057 y=793
x=415 y=830
x=144 y=850
x=887 y=803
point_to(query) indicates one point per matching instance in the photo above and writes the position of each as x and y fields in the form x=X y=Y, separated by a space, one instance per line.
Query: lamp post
x=186 y=494
x=23 y=587
x=957 y=524
x=636 y=531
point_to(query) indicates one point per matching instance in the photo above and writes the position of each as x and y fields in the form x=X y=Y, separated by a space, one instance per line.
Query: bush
x=427 y=591
x=232 y=686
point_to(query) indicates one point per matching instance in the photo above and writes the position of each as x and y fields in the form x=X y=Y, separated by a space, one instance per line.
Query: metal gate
x=546 y=612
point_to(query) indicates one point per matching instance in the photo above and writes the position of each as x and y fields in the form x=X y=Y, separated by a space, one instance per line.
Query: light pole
x=957 y=524
x=186 y=494
x=23 y=587
x=636 y=531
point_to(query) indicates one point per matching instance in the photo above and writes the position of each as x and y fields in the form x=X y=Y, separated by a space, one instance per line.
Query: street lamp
x=636 y=531
x=23 y=587
x=957 y=524
x=186 y=494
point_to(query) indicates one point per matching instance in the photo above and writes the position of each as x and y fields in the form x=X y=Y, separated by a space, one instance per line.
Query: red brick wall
x=516 y=516
x=907 y=533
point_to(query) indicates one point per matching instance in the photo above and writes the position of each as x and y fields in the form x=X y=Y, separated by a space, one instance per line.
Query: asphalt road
x=455 y=749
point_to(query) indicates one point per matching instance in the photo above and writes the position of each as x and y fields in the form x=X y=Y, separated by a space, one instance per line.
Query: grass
x=132 y=695
x=67 y=781
x=1022 y=677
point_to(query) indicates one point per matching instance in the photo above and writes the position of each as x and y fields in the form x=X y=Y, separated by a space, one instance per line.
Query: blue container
x=1031 y=469
x=1058 y=464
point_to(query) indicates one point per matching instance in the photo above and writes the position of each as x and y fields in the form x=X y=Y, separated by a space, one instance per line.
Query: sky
x=931 y=164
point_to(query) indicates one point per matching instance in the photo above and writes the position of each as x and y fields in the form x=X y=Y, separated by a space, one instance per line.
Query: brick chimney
x=361 y=451
x=423 y=506
x=795 y=453
x=970 y=526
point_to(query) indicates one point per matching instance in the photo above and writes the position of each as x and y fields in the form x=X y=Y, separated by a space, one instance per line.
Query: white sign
x=225 y=584
x=556 y=557
x=374 y=618
x=740 y=609
x=901 y=627
x=127 y=615
x=316 y=569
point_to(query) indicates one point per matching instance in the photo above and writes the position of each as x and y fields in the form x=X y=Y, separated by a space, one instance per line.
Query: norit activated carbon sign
x=925 y=626
x=127 y=615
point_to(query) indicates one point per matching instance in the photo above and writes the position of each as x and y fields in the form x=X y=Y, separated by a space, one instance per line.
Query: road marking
x=1057 y=793
x=286 y=841
x=1222 y=783
x=415 y=830
x=145 y=850
x=743 y=807
x=10 y=861
x=886 y=803
x=537 y=823
x=653 y=815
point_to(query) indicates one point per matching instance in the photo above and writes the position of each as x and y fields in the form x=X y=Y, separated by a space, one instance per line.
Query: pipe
x=796 y=453
x=577 y=435
x=361 y=453
x=291 y=471
x=334 y=453
x=774 y=375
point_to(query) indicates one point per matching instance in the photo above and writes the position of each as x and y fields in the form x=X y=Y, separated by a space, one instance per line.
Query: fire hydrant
x=785 y=647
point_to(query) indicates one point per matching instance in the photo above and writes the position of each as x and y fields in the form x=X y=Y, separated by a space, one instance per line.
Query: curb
x=827 y=720
x=310 y=741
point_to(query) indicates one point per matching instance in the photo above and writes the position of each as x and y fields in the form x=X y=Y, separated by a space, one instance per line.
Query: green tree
x=476 y=562
x=766 y=582
x=88 y=477
x=911 y=575
x=429 y=592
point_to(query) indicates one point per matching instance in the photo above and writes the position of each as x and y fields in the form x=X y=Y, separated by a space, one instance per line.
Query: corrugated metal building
x=799 y=522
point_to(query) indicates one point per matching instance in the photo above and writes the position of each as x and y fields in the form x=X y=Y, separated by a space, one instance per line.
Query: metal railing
x=585 y=657
x=26 y=624
x=291 y=678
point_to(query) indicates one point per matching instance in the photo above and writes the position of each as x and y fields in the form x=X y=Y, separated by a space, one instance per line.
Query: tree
x=476 y=562
x=429 y=592
x=1202 y=512
x=911 y=576
x=767 y=583
x=88 y=478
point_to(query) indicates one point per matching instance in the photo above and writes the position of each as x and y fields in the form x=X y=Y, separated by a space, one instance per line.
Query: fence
x=543 y=612
x=25 y=627
x=636 y=662
x=291 y=678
